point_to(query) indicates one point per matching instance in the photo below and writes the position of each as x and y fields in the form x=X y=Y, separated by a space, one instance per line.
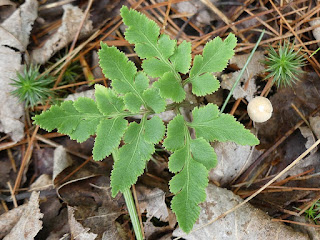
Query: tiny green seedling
x=313 y=212
x=31 y=87
x=285 y=65
x=131 y=94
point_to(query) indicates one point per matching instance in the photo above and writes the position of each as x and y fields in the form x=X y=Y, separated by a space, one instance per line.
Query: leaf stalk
x=130 y=205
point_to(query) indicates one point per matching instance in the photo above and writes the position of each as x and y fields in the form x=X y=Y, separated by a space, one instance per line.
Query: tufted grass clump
x=284 y=65
x=32 y=88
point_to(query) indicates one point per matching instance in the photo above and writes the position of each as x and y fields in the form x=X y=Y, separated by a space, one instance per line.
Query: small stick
x=13 y=163
x=297 y=223
x=12 y=195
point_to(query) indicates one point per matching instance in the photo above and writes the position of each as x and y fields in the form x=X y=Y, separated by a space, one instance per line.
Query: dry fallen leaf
x=308 y=134
x=228 y=81
x=94 y=205
x=14 y=38
x=29 y=223
x=152 y=201
x=71 y=20
x=196 y=8
x=246 y=223
x=43 y=182
x=315 y=31
x=232 y=160
x=9 y=219
x=75 y=96
x=315 y=125
x=61 y=161
x=254 y=68
x=78 y=232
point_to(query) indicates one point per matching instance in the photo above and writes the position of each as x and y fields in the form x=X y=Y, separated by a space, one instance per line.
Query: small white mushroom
x=260 y=109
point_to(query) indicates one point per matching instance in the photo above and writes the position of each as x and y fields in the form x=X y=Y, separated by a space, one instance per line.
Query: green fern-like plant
x=131 y=94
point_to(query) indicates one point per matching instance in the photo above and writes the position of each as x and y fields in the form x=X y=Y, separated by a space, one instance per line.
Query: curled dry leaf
x=14 y=38
x=78 y=232
x=61 y=161
x=315 y=31
x=43 y=182
x=197 y=8
x=29 y=223
x=245 y=223
x=71 y=20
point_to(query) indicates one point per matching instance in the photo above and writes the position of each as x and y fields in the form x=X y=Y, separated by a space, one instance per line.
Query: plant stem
x=241 y=73
x=133 y=213
x=130 y=205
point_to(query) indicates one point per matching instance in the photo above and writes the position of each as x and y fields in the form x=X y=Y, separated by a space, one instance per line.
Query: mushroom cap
x=260 y=109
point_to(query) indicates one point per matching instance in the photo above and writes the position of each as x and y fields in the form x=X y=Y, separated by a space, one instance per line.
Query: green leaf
x=211 y=126
x=86 y=105
x=78 y=119
x=154 y=130
x=141 y=81
x=178 y=158
x=216 y=54
x=142 y=32
x=117 y=67
x=132 y=132
x=107 y=101
x=109 y=134
x=175 y=134
x=64 y=117
x=202 y=152
x=204 y=84
x=133 y=102
x=84 y=130
x=206 y=113
x=83 y=118
x=189 y=189
x=191 y=161
x=132 y=159
x=154 y=67
x=181 y=59
x=166 y=45
x=153 y=99
x=170 y=87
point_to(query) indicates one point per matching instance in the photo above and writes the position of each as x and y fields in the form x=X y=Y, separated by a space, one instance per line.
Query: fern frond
x=215 y=57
